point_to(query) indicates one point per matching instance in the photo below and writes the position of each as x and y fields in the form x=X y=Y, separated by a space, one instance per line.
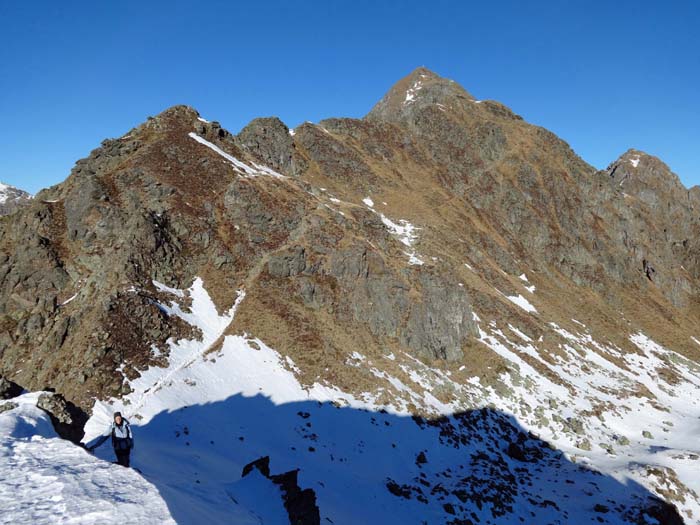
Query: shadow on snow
x=367 y=467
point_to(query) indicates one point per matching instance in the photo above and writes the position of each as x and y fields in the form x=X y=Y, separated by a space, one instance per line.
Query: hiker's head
x=118 y=418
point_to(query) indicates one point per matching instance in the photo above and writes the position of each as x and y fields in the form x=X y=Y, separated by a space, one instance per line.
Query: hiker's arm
x=102 y=439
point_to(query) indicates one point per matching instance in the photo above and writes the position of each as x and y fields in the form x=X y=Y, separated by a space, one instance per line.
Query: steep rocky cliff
x=439 y=235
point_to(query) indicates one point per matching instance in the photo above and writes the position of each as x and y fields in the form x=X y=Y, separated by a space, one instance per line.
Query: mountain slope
x=435 y=258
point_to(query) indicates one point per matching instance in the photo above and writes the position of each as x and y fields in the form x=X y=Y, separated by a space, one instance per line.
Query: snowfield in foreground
x=219 y=406
x=483 y=456
x=45 y=479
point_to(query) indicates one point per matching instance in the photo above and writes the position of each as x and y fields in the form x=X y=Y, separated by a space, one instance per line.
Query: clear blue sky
x=603 y=75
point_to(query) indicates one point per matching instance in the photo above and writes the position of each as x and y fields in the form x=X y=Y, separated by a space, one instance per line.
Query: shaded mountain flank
x=439 y=256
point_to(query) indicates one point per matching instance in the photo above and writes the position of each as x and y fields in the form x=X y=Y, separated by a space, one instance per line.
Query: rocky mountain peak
x=644 y=175
x=270 y=140
x=636 y=157
x=172 y=119
x=177 y=112
x=12 y=198
x=420 y=88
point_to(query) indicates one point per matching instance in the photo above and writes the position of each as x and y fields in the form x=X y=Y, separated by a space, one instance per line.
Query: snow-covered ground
x=46 y=479
x=226 y=400
x=522 y=303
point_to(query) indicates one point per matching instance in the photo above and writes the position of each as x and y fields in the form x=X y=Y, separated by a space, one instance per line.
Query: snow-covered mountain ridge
x=11 y=198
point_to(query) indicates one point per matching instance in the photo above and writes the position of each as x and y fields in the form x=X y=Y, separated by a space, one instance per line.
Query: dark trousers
x=123 y=457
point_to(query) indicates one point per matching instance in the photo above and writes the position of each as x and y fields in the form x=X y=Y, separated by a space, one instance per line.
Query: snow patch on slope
x=530 y=288
x=70 y=299
x=522 y=303
x=412 y=92
x=238 y=165
x=403 y=230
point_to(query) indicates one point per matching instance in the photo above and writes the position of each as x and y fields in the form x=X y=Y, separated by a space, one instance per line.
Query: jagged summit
x=421 y=87
x=639 y=172
x=178 y=111
x=636 y=157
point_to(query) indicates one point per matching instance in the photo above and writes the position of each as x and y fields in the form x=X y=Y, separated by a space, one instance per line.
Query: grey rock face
x=9 y=389
x=441 y=324
x=656 y=219
x=372 y=294
x=269 y=140
x=4 y=407
x=67 y=419
x=291 y=263
x=436 y=327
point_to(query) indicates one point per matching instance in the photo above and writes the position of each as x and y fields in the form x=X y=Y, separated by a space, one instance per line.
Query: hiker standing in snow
x=122 y=439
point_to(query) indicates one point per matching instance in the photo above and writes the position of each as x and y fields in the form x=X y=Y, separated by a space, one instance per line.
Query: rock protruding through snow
x=299 y=503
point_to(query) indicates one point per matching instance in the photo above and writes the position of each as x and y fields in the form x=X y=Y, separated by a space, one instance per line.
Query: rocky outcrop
x=270 y=140
x=436 y=326
x=441 y=324
x=9 y=389
x=68 y=420
x=300 y=503
x=5 y=407
x=663 y=512
x=656 y=219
